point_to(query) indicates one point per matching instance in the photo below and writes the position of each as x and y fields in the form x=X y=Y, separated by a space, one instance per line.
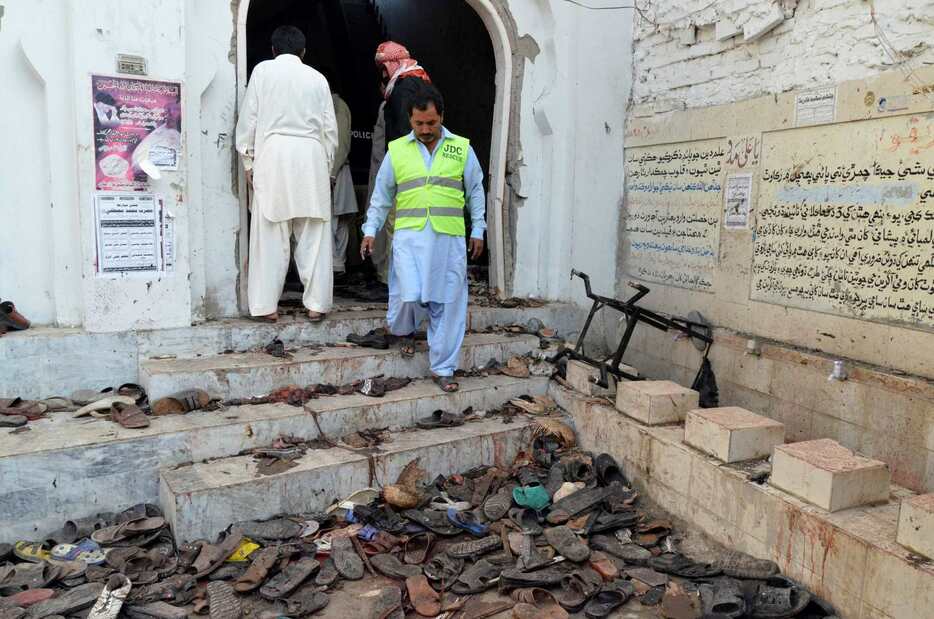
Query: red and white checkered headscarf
x=395 y=58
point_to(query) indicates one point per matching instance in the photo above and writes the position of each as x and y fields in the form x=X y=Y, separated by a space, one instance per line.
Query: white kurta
x=287 y=134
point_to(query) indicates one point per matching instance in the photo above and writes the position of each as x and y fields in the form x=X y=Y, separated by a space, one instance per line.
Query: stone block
x=916 y=524
x=655 y=402
x=732 y=434
x=582 y=376
x=828 y=475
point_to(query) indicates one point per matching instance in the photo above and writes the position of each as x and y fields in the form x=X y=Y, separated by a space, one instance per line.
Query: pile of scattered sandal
x=557 y=533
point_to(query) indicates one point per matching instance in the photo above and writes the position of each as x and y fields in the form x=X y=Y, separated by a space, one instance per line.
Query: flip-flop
x=306 y=602
x=435 y=521
x=181 y=402
x=605 y=602
x=388 y=604
x=574 y=504
x=317 y=317
x=286 y=581
x=577 y=588
x=79 y=528
x=543 y=602
x=610 y=522
x=424 y=599
x=740 y=565
x=407 y=348
x=630 y=553
x=526 y=520
x=497 y=505
x=468 y=522
x=213 y=555
x=327 y=573
x=111 y=599
x=25 y=599
x=348 y=563
x=223 y=601
x=475 y=548
x=568 y=545
x=156 y=610
x=443 y=570
x=447 y=383
x=69 y=602
x=87 y=551
x=255 y=575
x=34 y=552
x=547 y=577
x=416 y=548
x=390 y=566
x=103 y=404
x=129 y=416
x=477 y=578
x=276 y=529
x=263 y=319
x=440 y=419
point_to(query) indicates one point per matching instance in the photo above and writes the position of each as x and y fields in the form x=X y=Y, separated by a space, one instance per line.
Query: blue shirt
x=384 y=190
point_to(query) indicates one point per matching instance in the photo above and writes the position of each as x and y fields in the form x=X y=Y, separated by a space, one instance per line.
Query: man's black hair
x=104 y=97
x=426 y=94
x=288 y=40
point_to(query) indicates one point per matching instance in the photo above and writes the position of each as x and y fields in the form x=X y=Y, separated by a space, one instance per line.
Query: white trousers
x=270 y=247
x=447 y=323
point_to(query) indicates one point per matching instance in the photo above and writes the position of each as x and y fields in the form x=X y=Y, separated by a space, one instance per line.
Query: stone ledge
x=732 y=434
x=850 y=558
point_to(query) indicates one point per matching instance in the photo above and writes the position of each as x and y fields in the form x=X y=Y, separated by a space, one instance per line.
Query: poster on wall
x=673 y=210
x=137 y=129
x=736 y=197
x=848 y=229
x=129 y=235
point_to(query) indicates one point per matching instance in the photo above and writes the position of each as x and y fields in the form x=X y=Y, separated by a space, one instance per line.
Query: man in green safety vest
x=429 y=177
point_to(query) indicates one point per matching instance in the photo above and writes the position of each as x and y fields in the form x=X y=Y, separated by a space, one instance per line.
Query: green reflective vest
x=435 y=195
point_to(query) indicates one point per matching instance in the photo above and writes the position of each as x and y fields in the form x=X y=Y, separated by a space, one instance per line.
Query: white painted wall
x=571 y=177
x=817 y=42
x=574 y=98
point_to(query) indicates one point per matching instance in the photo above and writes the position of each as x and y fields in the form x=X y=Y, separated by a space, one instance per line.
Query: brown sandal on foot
x=316 y=316
x=447 y=383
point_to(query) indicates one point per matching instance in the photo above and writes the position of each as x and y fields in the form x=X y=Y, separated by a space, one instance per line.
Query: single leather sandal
x=447 y=383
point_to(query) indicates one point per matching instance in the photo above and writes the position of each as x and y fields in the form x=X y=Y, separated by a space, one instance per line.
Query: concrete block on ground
x=203 y=499
x=828 y=475
x=916 y=524
x=655 y=402
x=732 y=434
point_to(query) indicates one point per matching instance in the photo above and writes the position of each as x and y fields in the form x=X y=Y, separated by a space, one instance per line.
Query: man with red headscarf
x=400 y=78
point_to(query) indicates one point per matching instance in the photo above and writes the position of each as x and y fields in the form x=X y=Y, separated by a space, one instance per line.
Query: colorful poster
x=137 y=129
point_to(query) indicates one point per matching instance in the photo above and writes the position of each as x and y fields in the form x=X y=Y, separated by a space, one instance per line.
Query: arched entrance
x=498 y=137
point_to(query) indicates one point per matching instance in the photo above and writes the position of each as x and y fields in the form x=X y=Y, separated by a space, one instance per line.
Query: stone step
x=241 y=335
x=203 y=499
x=252 y=374
x=66 y=468
x=58 y=361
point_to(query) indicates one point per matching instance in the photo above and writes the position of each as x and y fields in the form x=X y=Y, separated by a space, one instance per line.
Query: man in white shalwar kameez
x=432 y=175
x=287 y=139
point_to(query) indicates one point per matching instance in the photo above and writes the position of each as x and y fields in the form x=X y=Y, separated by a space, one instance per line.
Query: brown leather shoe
x=12 y=319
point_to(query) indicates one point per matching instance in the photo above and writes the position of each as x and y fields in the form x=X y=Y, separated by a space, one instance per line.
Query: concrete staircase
x=245 y=375
x=194 y=464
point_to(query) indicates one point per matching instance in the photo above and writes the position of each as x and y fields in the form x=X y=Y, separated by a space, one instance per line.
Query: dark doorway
x=446 y=37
